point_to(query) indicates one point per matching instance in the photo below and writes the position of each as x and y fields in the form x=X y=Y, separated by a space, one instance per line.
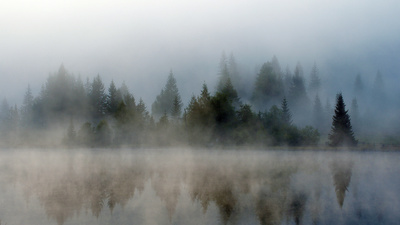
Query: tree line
x=89 y=115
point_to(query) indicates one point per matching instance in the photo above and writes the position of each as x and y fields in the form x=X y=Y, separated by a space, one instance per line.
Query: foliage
x=318 y=114
x=268 y=86
x=315 y=81
x=97 y=99
x=286 y=115
x=115 y=119
x=168 y=101
x=297 y=91
x=342 y=132
x=112 y=99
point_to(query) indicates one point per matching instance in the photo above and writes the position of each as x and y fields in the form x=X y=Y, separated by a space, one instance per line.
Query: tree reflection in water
x=278 y=188
x=341 y=171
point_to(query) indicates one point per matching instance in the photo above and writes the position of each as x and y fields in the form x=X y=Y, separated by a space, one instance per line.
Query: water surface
x=169 y=186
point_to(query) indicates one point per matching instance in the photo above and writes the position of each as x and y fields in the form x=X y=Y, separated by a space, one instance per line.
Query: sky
x=140 y=41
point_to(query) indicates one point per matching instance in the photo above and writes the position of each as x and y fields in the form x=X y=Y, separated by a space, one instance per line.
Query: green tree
x=297 y=92
x=249 y=126
x=268 y=87
x=230 y=92
x=225 y=115
x=273 y=123
x=315 y=81
x=318 y=114
x=287 y=80
x=245 y=114
x=5 y=119
x=342 y=131
x=57 y=98
x=98 y=99
x=112 y=99
x=309 y=136
x=300 y=103
x=176 y=108
x=223 y=72
x=286 y=115
x=199 y=118
x=233 y=71
x=27 y=108
x=164 y=102
x=80 y=99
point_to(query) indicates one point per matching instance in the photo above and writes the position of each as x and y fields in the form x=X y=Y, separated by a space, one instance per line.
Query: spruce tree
x=223 y=72
x=268 y=86
x=176 y=108
x=315 y=81
x=27 y=108
x=318 y=114
x=164 y=102
x=98 y=99
x=112 y=99
x=286 y=116
x=342 y=131
x=297 y=93
x=358 y=86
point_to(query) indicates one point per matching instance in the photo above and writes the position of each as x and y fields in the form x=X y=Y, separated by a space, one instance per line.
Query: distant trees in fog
x=280 y=109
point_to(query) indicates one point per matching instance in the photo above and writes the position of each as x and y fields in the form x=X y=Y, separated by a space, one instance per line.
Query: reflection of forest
x=67 y=184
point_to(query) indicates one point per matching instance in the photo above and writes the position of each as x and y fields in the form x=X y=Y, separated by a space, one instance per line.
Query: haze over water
x=182 y=186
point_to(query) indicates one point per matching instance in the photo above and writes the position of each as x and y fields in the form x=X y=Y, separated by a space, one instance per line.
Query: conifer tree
x=112 y=99
x=315 y=81
x=358 y=85
x=342 y=131
x=268 y=88
x=98 y=98
x=176 y=108
x=318 y=113
x=164 y=102
x=27 y=107
x=223 y=72
x=297 y=92
x=286 y=116
x=230 y=93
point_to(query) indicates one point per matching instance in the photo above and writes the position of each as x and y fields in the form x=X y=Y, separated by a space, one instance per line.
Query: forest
x=282 y=109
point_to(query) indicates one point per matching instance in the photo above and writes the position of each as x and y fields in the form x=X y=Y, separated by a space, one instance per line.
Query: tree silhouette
x=286 y=115
x=315 y=81
x=318 y=113
x=98 y=99
x=112 y=99
x=169 y=95
x=268 y=87
x=358 y=85
x=342 y=132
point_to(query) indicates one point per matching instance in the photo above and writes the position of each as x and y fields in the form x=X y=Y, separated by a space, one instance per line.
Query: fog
x=181 y=186
x=170 y=112
x=140 y=41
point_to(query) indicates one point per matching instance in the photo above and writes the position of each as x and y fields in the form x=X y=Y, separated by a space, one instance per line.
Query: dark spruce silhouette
x=342 y=131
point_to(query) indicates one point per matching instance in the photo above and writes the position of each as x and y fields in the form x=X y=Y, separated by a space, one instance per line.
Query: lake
x=198 y=186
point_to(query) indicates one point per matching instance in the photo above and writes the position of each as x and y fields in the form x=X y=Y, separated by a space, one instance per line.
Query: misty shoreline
x=278 y=114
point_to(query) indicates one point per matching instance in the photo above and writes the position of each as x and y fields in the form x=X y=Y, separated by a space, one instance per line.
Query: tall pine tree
x=342 y=131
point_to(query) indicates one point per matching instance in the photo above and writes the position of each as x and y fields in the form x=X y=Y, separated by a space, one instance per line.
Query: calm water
x=199 y=187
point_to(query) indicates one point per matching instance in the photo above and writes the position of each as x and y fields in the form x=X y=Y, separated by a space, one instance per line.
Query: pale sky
x=141 y=41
